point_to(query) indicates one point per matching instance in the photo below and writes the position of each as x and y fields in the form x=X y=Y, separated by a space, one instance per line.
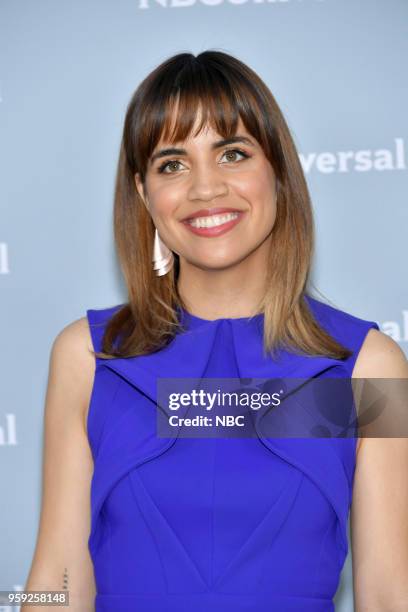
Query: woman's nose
x=207 y=183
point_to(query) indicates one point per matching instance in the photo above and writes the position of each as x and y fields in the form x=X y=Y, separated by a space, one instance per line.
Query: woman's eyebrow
x=216 y=145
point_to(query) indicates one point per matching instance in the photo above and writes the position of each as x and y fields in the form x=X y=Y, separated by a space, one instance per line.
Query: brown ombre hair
x=224 y=89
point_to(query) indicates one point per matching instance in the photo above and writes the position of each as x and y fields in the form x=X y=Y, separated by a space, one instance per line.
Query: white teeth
x=213 y=221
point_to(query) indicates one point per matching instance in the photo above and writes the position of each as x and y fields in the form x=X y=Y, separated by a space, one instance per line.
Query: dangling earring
x=163 y=257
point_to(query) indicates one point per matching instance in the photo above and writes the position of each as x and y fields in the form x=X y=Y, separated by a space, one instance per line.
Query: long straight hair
x=224 y=89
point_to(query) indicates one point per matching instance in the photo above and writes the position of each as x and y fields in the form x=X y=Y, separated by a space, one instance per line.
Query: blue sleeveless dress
x=215 y=524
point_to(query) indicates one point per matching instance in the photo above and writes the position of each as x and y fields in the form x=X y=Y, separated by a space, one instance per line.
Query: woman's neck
x=236 y=291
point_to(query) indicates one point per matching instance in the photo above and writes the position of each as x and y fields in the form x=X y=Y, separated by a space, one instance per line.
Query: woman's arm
x=379 y=510
x=61 y=554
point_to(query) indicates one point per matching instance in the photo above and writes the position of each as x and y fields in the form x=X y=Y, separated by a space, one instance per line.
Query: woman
x=214 y=230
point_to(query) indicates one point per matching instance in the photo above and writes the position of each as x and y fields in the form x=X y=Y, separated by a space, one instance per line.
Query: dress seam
x=152 y=534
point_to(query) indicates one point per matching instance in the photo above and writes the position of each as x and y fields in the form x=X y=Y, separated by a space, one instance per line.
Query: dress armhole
x=102 y=383
x=358 y=343
x=97 y=321
x=89 y=426
x=96 y=329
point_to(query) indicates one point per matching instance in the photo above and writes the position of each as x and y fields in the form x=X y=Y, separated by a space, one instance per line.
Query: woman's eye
x=164 y=166
x=234 y=151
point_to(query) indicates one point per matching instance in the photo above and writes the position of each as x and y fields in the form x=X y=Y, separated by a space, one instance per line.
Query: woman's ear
x=140 y=189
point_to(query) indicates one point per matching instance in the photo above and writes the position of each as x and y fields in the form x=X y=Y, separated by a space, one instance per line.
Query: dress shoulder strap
x=97 y=321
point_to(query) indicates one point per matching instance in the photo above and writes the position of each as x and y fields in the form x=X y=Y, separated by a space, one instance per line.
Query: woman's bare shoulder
x=380 y=357
x=74 y=336
x=72 y=364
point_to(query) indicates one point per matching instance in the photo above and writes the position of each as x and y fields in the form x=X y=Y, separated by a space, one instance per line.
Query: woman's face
x=206 y=174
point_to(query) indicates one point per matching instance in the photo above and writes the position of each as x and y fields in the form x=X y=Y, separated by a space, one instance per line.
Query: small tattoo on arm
x=65 y=583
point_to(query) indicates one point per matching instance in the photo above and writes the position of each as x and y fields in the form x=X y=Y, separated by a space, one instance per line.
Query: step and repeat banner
x=337 y=68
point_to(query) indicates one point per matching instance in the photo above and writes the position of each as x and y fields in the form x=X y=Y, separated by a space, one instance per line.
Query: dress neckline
x=196 y=319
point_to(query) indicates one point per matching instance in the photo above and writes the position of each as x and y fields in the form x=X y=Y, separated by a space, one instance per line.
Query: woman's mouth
x=214 y=225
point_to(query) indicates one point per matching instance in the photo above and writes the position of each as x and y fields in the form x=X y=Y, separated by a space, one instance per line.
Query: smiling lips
x=213 y=222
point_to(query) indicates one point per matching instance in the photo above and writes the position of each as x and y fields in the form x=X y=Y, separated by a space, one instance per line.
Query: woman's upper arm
x=379 y=510
x=61 y=557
